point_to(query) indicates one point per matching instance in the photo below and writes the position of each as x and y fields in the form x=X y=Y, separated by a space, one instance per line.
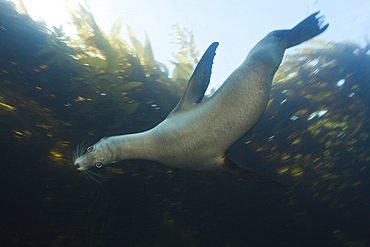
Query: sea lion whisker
x=97 y=174
x=90 y=176
x=75 y=156
x=83 y=175
x=81 y=148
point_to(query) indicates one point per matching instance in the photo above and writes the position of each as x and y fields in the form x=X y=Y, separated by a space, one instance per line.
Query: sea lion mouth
x=79 y=168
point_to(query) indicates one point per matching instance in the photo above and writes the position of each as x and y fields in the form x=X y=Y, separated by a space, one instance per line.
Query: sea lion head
x=96 y=155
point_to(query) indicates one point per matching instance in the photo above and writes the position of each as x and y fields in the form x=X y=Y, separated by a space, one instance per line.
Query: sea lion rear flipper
x=303 y=31
x=240 y=171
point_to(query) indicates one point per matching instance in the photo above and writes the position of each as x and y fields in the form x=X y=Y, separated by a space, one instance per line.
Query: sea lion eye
x=98 y=164
x=90 y=149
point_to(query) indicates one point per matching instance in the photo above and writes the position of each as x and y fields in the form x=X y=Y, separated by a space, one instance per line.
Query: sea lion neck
x=133 y=146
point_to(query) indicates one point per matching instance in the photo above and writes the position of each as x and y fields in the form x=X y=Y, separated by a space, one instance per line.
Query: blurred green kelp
x=77 y=81
x=314 y=136
x=121 y=67
x=315 y=130
x=187 y=57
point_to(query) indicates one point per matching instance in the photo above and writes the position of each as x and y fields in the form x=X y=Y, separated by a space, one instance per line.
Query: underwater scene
x=62 y=91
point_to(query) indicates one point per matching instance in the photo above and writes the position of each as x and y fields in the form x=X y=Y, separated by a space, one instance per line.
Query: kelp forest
x=57 y=91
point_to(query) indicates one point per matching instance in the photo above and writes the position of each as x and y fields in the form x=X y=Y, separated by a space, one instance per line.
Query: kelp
x=24 y=116
x=58 y=84
x=111 y=58
x=187 y=57
x=93 y=37
x=14 y=27
x=108 y=62
x=314 y=132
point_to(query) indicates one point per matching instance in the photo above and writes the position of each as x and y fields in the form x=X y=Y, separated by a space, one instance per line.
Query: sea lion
x=197 y=134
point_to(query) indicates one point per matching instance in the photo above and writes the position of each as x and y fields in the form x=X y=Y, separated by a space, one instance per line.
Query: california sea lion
x=197 y=134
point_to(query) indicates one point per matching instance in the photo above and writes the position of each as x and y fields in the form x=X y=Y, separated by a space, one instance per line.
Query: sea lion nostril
x=77 y=165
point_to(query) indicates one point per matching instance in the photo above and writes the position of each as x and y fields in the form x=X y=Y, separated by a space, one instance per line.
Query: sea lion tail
x=303 y=31
x=235 y=169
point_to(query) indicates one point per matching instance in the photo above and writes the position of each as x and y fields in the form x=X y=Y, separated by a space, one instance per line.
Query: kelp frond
x=92 y=35
x=186 y=58
x=317 y=55
x=107 y=63
x=22 y=8
x=185 y=38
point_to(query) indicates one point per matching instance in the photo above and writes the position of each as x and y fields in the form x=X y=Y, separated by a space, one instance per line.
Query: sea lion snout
x=79 y=162
x=78 y=167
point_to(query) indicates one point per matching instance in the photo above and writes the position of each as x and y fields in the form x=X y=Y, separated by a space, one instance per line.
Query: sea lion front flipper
x=198 y=82
x=240 y=171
